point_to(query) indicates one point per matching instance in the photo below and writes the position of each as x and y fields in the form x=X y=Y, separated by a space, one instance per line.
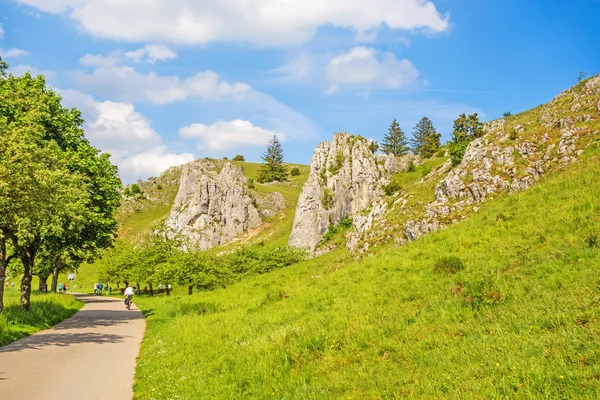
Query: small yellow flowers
x=562 y=377
x=497 y=364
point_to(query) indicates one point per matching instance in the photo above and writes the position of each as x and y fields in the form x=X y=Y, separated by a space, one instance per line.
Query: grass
x=520 y=320
x=46 y=310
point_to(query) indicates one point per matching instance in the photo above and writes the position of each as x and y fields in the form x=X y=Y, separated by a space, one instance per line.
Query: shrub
x=514 y=134
x=332 y=230
x=295 y=171
x=592 y=241
x=239 y=157
x=251 y=183
x=135 y=189
x=327 y=199
x=346 y=223
x=225 y=158
x=127 y=192
x=449 y=265
x=426 y=170
x=412 y=167
x=392 y=188
x=482 y=293
x=338 y=163
x=506 y=114
x=159 y=187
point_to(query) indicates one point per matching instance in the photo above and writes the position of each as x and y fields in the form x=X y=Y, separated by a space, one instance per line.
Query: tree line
x=166 y=258
x=58 y=193
x=426 y=141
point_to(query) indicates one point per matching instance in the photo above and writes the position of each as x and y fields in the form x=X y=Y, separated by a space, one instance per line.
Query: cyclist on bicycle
x=128 y=295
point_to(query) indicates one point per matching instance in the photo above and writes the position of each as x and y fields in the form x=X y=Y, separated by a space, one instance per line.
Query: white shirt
x=129 y=291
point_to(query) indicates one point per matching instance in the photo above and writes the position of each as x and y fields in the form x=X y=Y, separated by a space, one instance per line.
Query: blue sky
x=161 y=83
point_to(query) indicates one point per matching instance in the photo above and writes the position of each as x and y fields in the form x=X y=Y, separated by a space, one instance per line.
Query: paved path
x=90 y=356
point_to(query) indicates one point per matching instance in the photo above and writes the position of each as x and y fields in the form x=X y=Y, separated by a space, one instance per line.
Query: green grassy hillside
x=46 y=310
x=521 y=320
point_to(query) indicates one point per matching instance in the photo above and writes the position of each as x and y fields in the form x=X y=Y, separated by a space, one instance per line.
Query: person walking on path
x=60 y=288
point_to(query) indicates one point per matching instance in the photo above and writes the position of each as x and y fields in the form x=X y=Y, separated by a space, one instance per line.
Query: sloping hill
x=521 y=320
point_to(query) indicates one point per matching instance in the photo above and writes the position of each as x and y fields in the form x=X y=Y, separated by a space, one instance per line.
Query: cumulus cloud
x=227 y=135
x=124 y=83
x=261 y=22
x=12 y=53
x=118 y=129
x=150 y=53
x=361 y=66
x=21 y=69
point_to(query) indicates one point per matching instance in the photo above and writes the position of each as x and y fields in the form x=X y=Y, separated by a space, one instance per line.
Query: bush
x=426 y=170
x=225 y=158
x=346 y=223
x=127 y=192
x=251 y=183
x=392 y=188
x=327 y=199
x=135 y=189
x=506 y=114
x=592 y=241
x=412 y=167
x=457 y=151
x=295 y=171
x=332 y=230
x=449 y=265
x=482 y=293
x=239 y=157
x=159 y=187
x=514 y=134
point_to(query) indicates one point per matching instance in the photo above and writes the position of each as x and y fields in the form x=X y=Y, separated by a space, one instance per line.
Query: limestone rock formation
x=212 y=207
x=345 y=178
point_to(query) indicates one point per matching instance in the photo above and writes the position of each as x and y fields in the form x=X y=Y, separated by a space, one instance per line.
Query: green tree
x=135 y=189
x=58 y=193
x=3 y=68
x=426 y=140
x=395 y=142
x=466 y=129
x=273 y=168
x=239 y=157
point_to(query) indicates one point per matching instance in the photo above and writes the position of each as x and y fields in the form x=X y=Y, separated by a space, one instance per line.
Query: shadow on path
x=89 y=319
x=39 y=342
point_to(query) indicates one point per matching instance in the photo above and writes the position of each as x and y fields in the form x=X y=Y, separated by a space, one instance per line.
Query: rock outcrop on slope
x=512 y=155
x=213 y=205
x=345 y=178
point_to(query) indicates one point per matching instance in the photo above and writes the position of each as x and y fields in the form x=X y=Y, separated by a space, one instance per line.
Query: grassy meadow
x=520 y=320
x=46 y=310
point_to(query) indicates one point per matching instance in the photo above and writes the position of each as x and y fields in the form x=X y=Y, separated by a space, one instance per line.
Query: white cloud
x=295 y=70
x=152 y=53
x=1 y=33
x=153 y=162
x=126 y=84
x=21 y=69
x=117 y=128
x=361 y=66
x=227 y=135
x=261 y=22
x=12 y=53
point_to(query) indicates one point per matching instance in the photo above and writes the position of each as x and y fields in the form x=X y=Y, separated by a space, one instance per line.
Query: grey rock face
x=345 y=177
x=212 y=208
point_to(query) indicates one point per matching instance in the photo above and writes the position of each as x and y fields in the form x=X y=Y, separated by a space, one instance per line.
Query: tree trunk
x=56 y=268
x=2 y=269
x=43 y=288
x=190 y=289
x=138 y=288
x=151 y=290
x=28 y=259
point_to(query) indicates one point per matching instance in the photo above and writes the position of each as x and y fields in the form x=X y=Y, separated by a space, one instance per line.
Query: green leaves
x=426 y=140
x=273 y=168
x=395 y=141
x=466 y=129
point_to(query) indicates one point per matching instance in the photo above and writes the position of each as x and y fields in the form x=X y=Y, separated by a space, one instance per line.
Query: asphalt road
x=90 y=356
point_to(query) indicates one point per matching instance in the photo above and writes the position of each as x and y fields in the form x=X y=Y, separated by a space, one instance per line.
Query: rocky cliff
x=345 y=178
x=512 y=155
x=213 y=205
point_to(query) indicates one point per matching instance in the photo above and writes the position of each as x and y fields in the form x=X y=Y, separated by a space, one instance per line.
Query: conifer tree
x=466 y=129
x=425 y=141
x=395 y=142
x=273 y=168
